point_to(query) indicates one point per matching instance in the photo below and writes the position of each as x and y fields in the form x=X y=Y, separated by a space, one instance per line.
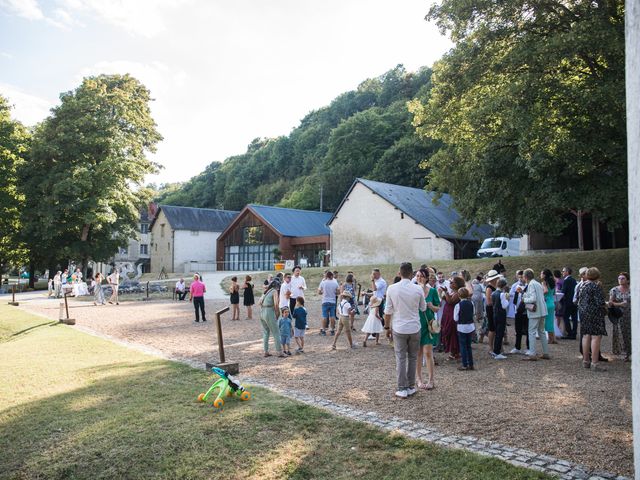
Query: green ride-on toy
x=227 y=386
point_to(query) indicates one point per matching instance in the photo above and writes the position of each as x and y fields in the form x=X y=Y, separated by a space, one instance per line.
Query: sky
x=221 y=73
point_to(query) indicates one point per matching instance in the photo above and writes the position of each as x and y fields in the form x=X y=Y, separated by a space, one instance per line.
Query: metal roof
x=419 y=204
x=290 y=222
x=197 y=219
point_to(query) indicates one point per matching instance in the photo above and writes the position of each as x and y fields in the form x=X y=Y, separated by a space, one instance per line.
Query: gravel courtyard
x=551 y=407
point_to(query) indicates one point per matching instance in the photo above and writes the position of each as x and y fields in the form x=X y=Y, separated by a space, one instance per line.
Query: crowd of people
x=424 y=310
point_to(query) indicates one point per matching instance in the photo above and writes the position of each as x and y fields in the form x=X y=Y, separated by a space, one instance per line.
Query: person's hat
x=375 y=302
x=491 y=275
x=346 y=294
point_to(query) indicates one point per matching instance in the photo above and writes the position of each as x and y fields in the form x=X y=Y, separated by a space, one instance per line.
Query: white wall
x=369 y=230
x=161 y=248
x=200 y=248
x=633 y=165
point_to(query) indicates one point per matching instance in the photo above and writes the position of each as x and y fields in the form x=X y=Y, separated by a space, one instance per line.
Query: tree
x=88 y=161
x=14 y=145
x=530 y=108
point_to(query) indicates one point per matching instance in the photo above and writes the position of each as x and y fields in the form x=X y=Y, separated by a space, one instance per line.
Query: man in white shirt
x=114 y=282
x=181 y=291
x=298 y=286
x=328 y=288
x=401 y=314
x=285 y=292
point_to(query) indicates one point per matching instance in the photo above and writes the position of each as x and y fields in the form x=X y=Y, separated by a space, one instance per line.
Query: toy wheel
x=245 y=395
x=201 y=397
x=218 y=403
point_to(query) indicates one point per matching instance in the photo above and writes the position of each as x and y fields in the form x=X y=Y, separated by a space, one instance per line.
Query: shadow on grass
x=141 y=420
x=27 y=330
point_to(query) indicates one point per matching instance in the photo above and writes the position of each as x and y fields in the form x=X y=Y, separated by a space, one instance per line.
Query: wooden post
x=13 y=302
x=67 y=321
x=231 y=367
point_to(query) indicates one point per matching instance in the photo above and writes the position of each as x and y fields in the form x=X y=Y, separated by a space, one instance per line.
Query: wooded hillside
x=365 y=132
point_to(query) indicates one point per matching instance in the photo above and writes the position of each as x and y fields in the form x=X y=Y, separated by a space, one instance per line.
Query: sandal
x=333 y=347
x=429 y=386
x=267 y=354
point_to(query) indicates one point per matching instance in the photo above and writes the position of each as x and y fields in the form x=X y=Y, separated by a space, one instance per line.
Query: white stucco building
x=137 y=251
x=183 y=239
x=384 y=223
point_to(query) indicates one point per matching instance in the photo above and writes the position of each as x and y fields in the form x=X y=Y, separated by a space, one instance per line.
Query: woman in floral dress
x=620 y=297
x=591 y=308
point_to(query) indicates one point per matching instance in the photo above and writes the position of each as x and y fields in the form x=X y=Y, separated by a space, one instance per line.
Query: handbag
x=614 y=312
x=435 y=326
x=532 y=307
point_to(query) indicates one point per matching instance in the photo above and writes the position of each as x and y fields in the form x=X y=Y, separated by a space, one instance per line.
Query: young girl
x=373 y=324
x=234 y=292
x=349 y=286
x=286 y=330
x=248 y=299
x=344 y=309
x=463 y=316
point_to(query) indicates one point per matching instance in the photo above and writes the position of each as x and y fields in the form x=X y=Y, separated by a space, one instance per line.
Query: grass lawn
x=610 y=263
x=76 y=406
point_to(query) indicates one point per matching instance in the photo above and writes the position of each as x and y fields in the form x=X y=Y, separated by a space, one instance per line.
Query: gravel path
x=551 y=407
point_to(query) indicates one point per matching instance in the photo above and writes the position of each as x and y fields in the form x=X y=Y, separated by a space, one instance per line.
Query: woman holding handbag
x=429 y=327
x=591 y=308
x=620 y=315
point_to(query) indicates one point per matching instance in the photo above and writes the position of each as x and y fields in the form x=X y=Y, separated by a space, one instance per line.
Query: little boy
x=463 y=316
x=284 y=324
x=344 y=310
x=300 y=325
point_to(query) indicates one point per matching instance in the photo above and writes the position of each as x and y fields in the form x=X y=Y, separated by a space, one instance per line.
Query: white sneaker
x=499 y=357
x=530 y=353
x=516 y=351
x=411 y=391
x=491 y=353
x=371 y=337
x=402 y=394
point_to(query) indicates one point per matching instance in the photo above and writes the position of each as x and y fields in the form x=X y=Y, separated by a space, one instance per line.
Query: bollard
x=13 y=302
x=67 y=321
x=230 y=367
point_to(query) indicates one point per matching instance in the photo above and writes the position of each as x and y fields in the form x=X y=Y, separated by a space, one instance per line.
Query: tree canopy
x=86 y=160
x=14 y=145
x=529 y=106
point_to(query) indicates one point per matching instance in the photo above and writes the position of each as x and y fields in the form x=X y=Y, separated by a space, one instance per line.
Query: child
x=463 y=316
x=500 y=301
x=286 y=329
x=234 y=292
x=300 y=325
x=373 y=324
x=344 y=310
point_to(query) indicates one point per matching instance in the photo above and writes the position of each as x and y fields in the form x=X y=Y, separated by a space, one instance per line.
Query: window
x=252 y=235
x=195 y=233
x=162 y=230
x=144 y=228
x=144 y=249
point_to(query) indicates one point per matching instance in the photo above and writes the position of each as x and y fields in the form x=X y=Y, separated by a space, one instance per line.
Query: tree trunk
x=579 y=214
x=595 y=227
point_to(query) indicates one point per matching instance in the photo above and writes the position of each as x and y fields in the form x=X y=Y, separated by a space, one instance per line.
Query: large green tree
x=530 y=107
x=14 y=145
x=89 y=158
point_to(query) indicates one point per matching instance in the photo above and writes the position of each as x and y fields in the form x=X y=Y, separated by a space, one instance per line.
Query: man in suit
x=570 y=317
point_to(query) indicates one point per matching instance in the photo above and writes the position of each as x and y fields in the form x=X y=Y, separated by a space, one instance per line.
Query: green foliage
x=365 y=132
x=530 y=108
x=86 y=161
x=14 y=144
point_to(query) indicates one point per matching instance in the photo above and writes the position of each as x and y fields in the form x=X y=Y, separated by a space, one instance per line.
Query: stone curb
x=420 y=431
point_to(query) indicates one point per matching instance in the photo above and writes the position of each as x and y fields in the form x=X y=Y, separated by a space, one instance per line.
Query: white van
x=499 y=247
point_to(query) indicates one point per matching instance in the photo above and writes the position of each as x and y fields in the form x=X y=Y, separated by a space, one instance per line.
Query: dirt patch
x=551 y=407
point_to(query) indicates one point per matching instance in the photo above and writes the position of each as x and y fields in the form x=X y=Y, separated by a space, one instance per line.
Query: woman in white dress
x=98 y=294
